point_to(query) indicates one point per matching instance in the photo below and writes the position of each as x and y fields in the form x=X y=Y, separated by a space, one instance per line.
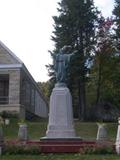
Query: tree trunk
x=98 y=85
x=82 y=100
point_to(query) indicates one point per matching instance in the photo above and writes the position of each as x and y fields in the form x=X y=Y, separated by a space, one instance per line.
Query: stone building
x=18 y=90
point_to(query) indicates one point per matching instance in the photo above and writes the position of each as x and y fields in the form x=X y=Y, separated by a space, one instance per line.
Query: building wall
x=40 y=106
x=14 y=90
x=31 y=98
x=14 y=86
x=24 y=95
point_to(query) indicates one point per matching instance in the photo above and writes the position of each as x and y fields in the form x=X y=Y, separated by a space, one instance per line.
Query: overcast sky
x=26 y=27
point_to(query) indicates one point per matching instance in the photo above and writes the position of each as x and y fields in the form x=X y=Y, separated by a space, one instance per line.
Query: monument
x=60 y=123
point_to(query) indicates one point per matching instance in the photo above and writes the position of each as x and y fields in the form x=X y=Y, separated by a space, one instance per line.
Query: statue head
x=66 y=49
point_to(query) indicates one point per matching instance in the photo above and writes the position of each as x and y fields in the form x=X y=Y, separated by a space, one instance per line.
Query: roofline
x=10 y=66
x=10 y=52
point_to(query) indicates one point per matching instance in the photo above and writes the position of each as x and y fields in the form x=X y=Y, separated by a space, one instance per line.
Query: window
x=4 y=88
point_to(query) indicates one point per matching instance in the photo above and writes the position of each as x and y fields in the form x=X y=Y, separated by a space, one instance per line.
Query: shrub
x=22 y=149
x=104 y=150
x=8 y=114
x=97 y=149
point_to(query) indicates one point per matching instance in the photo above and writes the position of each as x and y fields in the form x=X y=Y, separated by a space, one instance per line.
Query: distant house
x=18 y=90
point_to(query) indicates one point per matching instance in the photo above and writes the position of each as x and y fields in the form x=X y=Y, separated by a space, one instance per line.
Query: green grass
x=35 y=129
x=61 y=157
x=86 y=130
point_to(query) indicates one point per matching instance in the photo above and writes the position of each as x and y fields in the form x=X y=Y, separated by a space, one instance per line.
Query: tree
x=45 y=87
x=104 y=51
x=75 y=26
x=116 y=13
x=105 y=70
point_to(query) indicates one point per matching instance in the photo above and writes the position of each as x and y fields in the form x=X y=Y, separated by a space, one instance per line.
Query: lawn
x=37 y=129
x=60 y=157
x=86 y=130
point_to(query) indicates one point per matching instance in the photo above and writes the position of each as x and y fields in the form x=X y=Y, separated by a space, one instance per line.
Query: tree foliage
x=94 y=75
x=116 y=13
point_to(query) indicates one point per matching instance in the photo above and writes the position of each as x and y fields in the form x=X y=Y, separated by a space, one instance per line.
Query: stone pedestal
x=1 y=140
x=102 y=132
x=61 y=115
x=117 y=144
x=22 y=133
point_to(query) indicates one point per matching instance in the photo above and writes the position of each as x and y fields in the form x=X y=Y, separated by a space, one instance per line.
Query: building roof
x=6 y=50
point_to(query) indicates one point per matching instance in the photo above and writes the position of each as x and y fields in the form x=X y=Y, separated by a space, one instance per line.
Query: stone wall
x=14 y=90
x=14 y=86
x=24 y=95
x=11 y=108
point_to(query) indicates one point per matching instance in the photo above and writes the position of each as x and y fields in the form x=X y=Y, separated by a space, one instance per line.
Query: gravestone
x=102 y=132
x=23 y=133
x=117 y=144
x=7 y=122
x=1 y=140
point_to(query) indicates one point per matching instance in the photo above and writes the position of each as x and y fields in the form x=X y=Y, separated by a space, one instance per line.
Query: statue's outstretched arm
x=72 y=55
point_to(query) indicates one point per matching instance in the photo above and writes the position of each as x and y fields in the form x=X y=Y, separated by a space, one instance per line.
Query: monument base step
x=61 y=139
x=62 y=145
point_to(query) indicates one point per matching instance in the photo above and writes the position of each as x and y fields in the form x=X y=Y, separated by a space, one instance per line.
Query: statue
x=61 y=63
x=60 y=125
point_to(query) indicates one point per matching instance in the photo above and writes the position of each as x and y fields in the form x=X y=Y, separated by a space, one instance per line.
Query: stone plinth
x=1 y=140
x=117 y=144
x=61 y=115
x=102 y=132
x=22 y=133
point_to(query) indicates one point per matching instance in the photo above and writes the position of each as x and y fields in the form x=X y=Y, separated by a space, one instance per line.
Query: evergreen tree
x=75 y=26
x=116 y=13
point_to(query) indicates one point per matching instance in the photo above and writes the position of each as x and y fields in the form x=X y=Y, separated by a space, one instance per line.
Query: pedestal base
x=75 y=145
x=117 y=144
x=61 y=115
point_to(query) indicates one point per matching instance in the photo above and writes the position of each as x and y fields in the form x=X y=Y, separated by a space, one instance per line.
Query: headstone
x=1 y=139
x=23 y=133
x=102 y=132
x=0 y=150
x=61 y=115
x=7 y=121
x=117 y=144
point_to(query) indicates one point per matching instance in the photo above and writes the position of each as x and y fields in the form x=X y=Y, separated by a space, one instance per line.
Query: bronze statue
x=61 y=63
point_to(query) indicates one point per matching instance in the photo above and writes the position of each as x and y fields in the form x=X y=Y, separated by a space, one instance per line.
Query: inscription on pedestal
x=61 y=115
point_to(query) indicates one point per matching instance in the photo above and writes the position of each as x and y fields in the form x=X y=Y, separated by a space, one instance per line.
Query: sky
x=26 y=27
